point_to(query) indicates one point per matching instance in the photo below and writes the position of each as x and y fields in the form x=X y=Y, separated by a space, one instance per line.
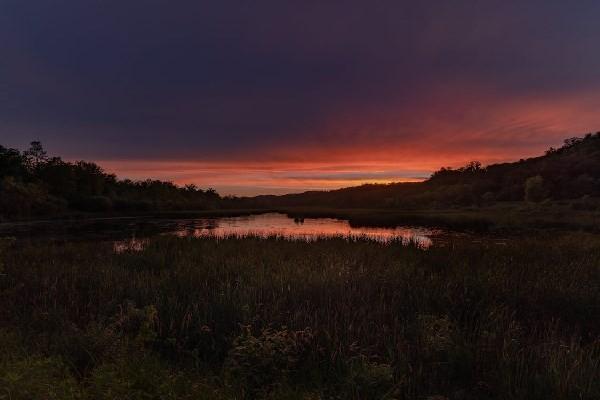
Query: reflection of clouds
x=309 y=229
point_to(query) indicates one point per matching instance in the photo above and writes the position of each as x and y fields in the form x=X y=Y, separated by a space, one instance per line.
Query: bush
x=369 y=380
x=142 y=378
x=534 y=189
x=37 y=378
x=585 y=203
x=84 y=349
x=132 y=205
x=93 y=204
x=256 y=364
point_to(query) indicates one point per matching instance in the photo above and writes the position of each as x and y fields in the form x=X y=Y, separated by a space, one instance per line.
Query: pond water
x=274 y=224
x=132 y=232
x=280 y=225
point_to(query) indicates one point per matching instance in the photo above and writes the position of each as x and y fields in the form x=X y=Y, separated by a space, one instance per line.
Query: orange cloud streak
x=449 y=128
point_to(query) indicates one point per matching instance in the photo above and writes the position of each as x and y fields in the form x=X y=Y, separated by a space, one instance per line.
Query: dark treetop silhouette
x=570 y=172
x=33 y=184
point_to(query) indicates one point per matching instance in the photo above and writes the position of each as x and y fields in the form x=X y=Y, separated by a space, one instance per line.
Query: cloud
x=413 y=84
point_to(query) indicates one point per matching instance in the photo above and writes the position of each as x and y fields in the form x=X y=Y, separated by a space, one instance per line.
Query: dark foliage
x=32 y=184
x=202 y=318
x=570 y=172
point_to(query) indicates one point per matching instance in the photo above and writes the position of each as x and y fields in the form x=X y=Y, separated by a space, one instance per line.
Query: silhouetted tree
x=36 y=154
x=31 y=183
x=534 y=189
x=472 y=166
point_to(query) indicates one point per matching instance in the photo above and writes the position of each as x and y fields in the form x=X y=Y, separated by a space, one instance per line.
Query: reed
x=279 y=319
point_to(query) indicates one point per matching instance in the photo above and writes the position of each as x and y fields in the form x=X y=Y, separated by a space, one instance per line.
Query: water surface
x=275 y=224
x=132 y=232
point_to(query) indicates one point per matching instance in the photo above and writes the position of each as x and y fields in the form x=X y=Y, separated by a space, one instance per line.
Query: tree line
x=34 y=184
x=571 y=173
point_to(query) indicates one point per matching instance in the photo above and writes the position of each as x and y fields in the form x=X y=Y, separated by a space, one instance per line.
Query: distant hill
x=569 y=172
x=33 y=185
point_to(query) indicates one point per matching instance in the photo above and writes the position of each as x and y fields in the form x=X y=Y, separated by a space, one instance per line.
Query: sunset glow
x=492 y=132
x=277 y=98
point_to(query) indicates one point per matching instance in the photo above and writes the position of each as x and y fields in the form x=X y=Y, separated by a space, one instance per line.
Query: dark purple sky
x=276 y=96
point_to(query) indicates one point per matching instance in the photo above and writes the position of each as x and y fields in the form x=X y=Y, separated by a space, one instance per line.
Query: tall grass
x=278 y=319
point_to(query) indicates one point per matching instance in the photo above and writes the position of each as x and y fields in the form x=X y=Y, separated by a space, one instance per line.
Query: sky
x=254 y=97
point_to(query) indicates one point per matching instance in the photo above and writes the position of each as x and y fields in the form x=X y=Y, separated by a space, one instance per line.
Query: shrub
x=37 y=378
x=256 y=364
x=370 y=380
x=145 y=377
x=84 y=349
x=93 y=204
x=534 y=189
x=488 y=198
x=586 y=203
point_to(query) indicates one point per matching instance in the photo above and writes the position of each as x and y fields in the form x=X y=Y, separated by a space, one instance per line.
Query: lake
x=131 y=232
x=275 y=224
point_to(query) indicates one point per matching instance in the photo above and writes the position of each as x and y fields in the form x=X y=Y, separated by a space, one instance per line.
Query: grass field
x=274 y=319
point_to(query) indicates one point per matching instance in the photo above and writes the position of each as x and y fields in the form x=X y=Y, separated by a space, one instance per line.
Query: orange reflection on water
x=273 y=224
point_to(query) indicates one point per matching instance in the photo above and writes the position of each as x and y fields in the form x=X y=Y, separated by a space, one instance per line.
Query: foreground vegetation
x=276 y=319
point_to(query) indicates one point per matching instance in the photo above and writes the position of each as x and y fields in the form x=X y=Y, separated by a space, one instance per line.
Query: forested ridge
x=32 y=184
x=571 y=172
